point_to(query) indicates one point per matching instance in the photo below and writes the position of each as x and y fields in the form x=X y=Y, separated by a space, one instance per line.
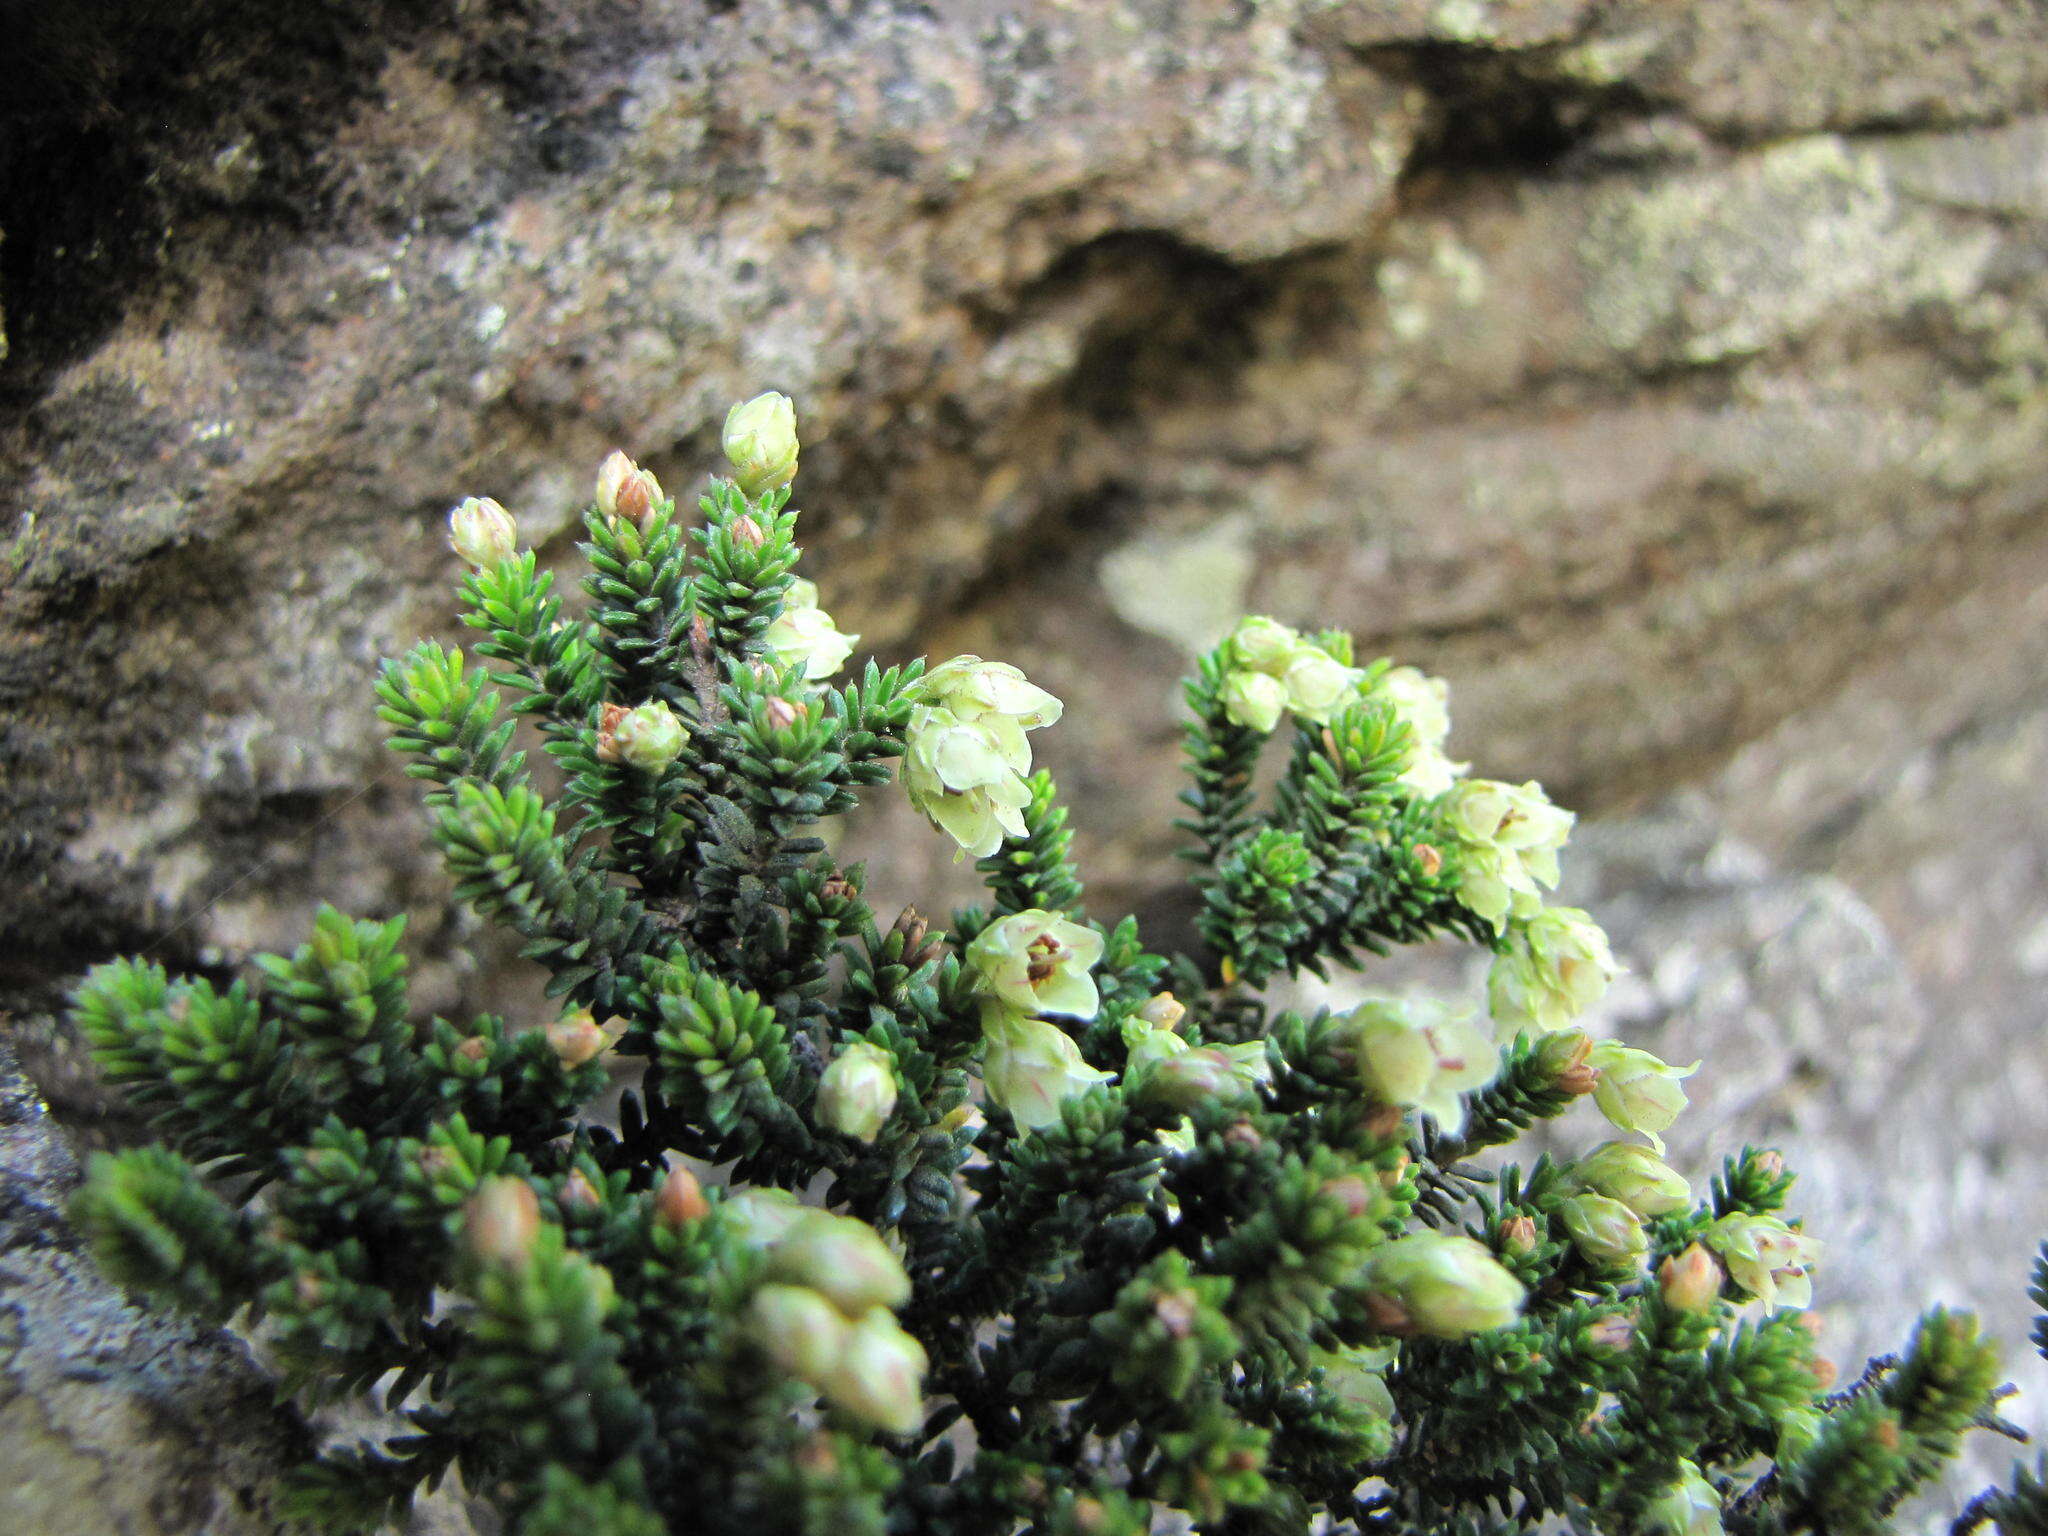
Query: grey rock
x=114 y=1418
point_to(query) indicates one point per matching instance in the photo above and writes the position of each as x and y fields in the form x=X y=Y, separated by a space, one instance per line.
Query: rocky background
x=1670 y=374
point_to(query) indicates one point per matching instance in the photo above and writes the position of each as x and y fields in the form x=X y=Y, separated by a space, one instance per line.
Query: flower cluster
x=824 y=1313
x=1210 y=1261
x=1274 y=670
x=966 y=754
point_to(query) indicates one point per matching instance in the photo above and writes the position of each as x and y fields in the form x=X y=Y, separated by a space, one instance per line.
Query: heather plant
x=1018 y=1225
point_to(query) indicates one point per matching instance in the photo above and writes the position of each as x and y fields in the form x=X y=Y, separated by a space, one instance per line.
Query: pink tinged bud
x=1607 y=1233
x=1689 y=1281
x=1430 y=859
x=879 y=1376
x=679 y=1199
x=575 y=1038
x=648 y=737
x=1352 y=1193
x=802 y=1332
x=748 y=532
x=502 y=1220
x=1516 y=1236
x=482 y=532
x=781 y=714
x=578 y=1193
x=625 y=490
x=474 y=1048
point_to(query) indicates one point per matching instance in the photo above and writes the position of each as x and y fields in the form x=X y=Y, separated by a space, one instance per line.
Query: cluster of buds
x=965 y=754
x=648 y=737
x=1274 y=670
x=1423 y=703
x=857 y=1091
x=760 y=442
x=482 y=532
x=1027 y=964
x=1444 y=1286
x=1556 y=966
x=824 y=1313
x=805 y=633
x=1417 y=1053
x=1767 y=1258
x=1509 y=837
x=625 y=491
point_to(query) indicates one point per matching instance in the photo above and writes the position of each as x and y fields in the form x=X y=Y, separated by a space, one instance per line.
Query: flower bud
x=625 y=490
x=879 y=1375
x=576 y=1038
x=473 y=1048
x=1260 y=644
x=1444 y=1286
x=781 y=714
x=1516 y=1236
x=760 y=440
x=578 y=1193
x=1609 y=1335
x=1689 y=1281
x=761 y=1218
x=1607 y=1233
x=502 y=1220
x=746 y=531
x=1317 y=684
x=1254 y=700
x=679 y=1198
x=857 y=1092
x=1635 y=1176
x=482 y=532
x=1690 y=1507
x=802 y=1332
x=648 y=738
x=1636 y=1091
x=843 y=1259
x=1163 y=1010
x=1194 y=1076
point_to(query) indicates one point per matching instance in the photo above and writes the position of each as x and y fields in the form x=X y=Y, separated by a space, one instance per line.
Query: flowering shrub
x=1023 y=1225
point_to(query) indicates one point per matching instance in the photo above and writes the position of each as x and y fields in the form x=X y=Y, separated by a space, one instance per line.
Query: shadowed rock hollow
x=1670 y=374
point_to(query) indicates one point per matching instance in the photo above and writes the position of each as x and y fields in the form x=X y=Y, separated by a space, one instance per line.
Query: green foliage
x=1098 y=1254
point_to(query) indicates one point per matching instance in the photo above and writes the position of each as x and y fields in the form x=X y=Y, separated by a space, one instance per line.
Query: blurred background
x=1669 y=375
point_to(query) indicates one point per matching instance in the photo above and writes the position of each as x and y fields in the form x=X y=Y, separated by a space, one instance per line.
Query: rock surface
x=112 y=1418
x=1670 y=374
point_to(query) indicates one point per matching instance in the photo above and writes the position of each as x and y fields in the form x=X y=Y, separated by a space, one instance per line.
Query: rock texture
x=1671 y=374
x=112 y=1419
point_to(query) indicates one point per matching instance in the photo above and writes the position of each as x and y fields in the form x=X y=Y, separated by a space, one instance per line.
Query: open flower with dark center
x=1038 y=962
